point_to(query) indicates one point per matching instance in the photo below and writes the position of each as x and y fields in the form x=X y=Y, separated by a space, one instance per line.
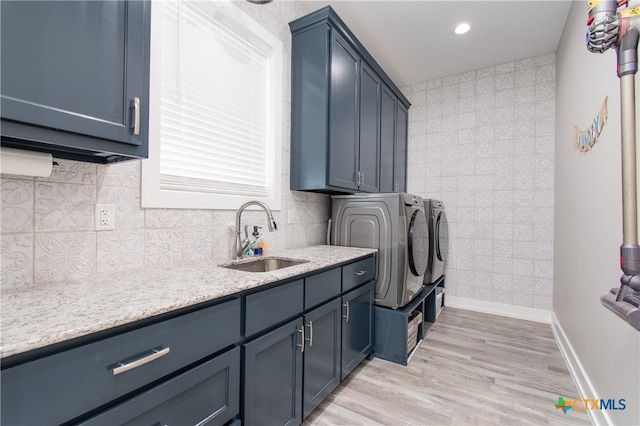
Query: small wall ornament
x=585 y=139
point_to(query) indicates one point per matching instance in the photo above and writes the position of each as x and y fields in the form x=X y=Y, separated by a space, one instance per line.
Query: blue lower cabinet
x=273 y=376
x=291 y=369
x=268 y=357
x=321 y=354
x=98 y=373
x=208 y=394
x=357 y=327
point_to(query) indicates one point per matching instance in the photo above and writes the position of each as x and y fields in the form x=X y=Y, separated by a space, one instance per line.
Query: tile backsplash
x=48 y=226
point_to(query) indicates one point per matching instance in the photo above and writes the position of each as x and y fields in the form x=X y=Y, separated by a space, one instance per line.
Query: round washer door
x=418 y=243
x=442 y=237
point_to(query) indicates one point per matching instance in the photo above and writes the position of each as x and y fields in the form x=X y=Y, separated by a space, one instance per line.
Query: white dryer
x=439 y=240
x=396 y=225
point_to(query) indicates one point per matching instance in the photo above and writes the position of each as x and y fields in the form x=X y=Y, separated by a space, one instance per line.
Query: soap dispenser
x=261 y=245
x=256 y=238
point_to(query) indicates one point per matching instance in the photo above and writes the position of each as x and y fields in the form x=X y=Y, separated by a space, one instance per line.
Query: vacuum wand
x=614 y=24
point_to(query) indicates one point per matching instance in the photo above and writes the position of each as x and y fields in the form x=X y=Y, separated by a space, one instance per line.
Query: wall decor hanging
x=585 y=139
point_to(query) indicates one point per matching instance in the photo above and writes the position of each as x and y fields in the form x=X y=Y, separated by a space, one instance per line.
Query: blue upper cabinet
x=388 y=118
x=400 y=154
x=337 y=137
x=75 y=78
x=343 y=115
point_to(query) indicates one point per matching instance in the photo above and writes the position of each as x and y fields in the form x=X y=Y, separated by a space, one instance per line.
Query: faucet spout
x=239 y=244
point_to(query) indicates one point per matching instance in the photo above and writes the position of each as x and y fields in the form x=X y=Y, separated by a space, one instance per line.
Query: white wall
x=482 y=142
x=588 y=227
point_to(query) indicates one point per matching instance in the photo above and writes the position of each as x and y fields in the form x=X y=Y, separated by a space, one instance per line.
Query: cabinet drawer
x=358 y=273
x=321 y=287
x=206 y=395
x=87 y=372
x=269 y=307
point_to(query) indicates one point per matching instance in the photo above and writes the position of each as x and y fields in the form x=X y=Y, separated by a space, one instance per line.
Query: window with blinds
x=215 y=110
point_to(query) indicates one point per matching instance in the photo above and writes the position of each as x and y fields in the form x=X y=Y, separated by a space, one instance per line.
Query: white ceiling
x=413 y=41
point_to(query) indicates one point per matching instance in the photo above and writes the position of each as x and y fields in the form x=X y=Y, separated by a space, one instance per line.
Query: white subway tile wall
x=48 y=223
x=483 y=143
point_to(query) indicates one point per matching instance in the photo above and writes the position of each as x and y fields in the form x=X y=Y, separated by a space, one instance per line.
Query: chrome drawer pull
x=137 y=363
x=310 y=339
x=361 y=273
x=301 y=345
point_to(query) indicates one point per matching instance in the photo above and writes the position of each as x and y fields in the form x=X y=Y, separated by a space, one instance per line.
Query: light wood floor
x=472 y=368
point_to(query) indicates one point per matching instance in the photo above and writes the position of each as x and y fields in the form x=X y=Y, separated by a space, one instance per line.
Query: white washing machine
x=396 y=225
x=438 y=241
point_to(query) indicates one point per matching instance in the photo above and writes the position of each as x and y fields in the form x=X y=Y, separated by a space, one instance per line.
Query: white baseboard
x=578 y=373
x=520 y=312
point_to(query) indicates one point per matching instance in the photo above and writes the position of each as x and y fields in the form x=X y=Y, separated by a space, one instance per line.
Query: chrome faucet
x=241 y=244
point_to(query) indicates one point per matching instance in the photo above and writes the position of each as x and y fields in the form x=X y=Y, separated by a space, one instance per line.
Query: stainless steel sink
x=263 y=264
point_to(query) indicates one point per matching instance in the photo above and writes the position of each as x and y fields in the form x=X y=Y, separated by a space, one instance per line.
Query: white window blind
x=217 y=102
x=214 y=105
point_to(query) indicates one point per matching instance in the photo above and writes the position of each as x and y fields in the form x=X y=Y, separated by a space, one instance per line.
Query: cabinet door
x=400 y=169
x=369 y=148
x=273 y=377
x=343 y=114
x=387 y=139
x=357 y=327
x=76 y=66
x=321 y=354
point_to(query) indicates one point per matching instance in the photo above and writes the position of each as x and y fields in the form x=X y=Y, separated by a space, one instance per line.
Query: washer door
x=442 y=237
x=418 y=243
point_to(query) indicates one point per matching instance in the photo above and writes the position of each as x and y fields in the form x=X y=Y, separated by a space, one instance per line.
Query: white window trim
x=152 y=195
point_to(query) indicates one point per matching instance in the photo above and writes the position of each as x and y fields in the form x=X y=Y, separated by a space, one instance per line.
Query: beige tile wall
x=483 y=143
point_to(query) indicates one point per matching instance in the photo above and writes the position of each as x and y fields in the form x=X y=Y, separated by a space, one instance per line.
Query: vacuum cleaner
x=616 y=24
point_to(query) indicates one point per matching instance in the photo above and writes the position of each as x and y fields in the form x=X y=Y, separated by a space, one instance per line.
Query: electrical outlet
x=105 y=217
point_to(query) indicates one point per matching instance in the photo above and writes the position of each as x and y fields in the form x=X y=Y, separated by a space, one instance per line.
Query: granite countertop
x=49 y=314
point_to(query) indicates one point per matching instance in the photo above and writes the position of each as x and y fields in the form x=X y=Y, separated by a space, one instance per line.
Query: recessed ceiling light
x=462 y=28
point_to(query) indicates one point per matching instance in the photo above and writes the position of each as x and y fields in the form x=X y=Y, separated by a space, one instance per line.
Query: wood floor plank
x=472 y=368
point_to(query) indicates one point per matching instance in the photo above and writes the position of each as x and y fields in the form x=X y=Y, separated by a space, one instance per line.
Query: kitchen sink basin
x=263 y=264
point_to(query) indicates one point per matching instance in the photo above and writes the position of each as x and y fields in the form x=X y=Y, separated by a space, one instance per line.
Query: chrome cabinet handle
x=346 y=316
x=136 y=115
x=310 y=339
x=301 y=344
x=137 y=363
x=361 y=178
x=361 y=273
